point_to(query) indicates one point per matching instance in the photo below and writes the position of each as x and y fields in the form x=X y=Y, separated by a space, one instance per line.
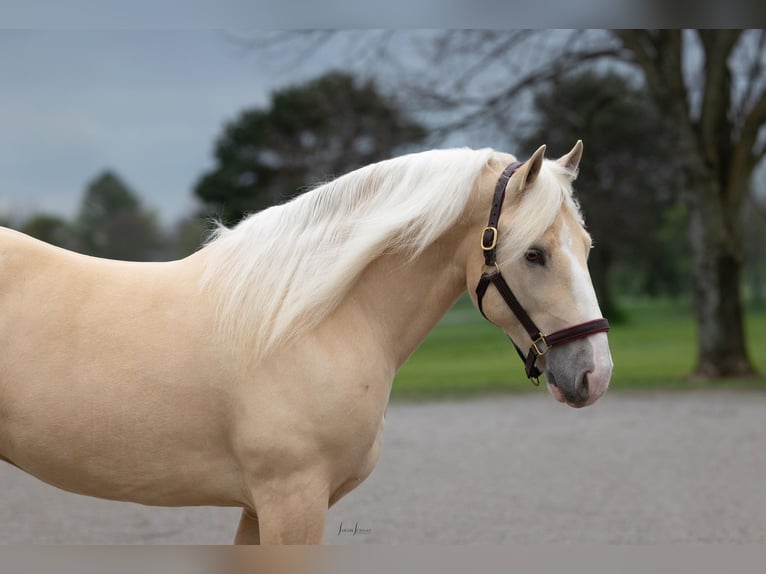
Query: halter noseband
x=541 y=343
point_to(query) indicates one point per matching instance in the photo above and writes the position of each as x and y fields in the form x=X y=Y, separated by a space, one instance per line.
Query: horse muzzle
x=578 y=373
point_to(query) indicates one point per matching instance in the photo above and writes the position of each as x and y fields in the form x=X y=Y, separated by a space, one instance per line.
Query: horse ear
x=531 y=168
x=571 y=160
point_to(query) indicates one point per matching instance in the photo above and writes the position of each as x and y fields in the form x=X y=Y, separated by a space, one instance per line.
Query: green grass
x=654 y=348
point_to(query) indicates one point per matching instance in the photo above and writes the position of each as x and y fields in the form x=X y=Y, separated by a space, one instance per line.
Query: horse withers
x=256 y=372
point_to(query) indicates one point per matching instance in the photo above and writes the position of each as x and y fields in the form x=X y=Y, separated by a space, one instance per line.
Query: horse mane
x=281 y=271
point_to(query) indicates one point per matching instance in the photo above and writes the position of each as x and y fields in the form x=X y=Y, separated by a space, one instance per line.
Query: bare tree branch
x=291 y=45
x=670 y=46
x=759 y=154
x=714 y=125
x=482 y=73
x=490 y=108
x=754 y=120
x=659 y=55
x=745 y=156
x=754 y=76
x=757 y=204
x=502 y=47
x=640 y=45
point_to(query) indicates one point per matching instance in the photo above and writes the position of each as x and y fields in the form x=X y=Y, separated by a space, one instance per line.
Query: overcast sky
x=147 y=104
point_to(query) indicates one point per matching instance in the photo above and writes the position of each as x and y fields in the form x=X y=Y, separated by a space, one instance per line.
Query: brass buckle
x=494 y=238
x=540 y=339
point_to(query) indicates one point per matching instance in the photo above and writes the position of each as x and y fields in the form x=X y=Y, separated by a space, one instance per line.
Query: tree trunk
x=756 y=285
x=714 y=233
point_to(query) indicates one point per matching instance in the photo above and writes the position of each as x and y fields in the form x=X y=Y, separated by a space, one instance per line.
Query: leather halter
x=541 y=343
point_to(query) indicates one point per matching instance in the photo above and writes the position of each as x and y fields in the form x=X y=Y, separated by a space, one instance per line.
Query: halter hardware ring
x=484 y=246
x=541 y=339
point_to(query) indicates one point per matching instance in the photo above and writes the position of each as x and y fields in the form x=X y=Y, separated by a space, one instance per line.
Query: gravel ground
x=634 y=468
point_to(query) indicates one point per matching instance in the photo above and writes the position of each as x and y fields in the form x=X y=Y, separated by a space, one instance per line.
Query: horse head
x=531 y=276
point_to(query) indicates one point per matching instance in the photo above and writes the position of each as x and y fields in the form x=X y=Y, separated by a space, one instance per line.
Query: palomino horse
x=256 y=372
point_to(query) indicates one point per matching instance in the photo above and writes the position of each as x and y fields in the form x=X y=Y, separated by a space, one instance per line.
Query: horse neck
x=398 y=300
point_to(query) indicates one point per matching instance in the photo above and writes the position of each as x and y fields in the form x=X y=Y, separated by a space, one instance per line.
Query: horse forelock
x=282 y=270
x=535 y=209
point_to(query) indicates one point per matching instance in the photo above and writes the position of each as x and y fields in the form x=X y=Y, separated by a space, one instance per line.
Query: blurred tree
x=188 y=235
x=715 y=109
x=53 y=230
x=625 y=186
x=5 y=221
x=112 y=223
x=309 y=134
x=754 y=231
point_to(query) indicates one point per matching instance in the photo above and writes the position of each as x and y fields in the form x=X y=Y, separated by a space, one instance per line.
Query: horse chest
x=362 y=469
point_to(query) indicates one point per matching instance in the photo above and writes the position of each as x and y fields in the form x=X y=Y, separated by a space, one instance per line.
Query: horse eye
x=535 y=256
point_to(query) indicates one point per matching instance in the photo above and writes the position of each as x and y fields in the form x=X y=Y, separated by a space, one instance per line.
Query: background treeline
x=113 y=222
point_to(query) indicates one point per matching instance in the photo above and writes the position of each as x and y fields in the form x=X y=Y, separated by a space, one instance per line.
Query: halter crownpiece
x=541 y=343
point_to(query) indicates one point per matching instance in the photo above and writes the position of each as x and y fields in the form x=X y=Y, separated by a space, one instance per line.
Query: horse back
x=103 y=366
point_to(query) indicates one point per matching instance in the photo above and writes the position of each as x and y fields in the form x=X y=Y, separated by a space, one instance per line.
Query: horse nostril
x=583 y=388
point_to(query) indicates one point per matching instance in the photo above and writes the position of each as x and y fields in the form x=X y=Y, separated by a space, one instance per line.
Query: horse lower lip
x=556 y=392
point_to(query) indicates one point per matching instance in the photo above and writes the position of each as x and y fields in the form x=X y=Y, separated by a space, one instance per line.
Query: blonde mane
x=280 y=271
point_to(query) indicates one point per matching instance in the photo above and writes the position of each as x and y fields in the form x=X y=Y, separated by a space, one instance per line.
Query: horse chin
x=556 y=392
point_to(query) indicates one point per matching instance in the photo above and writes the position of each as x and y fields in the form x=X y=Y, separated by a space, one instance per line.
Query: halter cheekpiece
x=541 y=343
